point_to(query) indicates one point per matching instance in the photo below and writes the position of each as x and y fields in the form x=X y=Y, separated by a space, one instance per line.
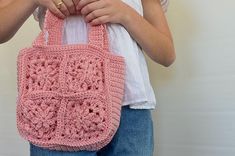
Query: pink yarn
x=69 y=96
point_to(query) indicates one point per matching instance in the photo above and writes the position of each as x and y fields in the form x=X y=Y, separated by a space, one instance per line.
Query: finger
x=95 y=14
x=82 y=3
x=78 y=12
x=92 y=6
x=75 y=2
x=70 y=6
x=76 y=6
x=100 y=20
x=55 y=10
x=62 y=7
x=64 y=10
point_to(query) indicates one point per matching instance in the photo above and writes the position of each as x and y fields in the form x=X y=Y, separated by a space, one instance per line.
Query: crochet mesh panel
x=42 y=73
x=84 y=74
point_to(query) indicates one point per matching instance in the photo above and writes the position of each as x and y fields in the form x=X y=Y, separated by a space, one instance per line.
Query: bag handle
x=52 y=30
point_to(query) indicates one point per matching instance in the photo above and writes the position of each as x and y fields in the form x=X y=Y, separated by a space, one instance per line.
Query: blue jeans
x=134 y=137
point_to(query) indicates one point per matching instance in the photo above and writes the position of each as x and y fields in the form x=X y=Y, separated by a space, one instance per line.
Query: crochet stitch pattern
x=69 y=96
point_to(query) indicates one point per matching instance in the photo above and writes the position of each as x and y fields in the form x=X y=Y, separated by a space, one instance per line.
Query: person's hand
x=103 y=11
x=60 y=8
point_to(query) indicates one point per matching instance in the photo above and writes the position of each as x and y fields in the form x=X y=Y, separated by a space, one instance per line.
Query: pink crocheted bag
x=69 y=96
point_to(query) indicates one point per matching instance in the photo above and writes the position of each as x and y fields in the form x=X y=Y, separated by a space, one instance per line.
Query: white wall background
x=196 y=94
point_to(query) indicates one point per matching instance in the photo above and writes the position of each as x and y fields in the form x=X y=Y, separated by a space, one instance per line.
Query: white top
x=138 y=92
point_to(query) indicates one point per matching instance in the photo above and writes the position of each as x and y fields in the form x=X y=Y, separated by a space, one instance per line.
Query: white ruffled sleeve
x=164 y=4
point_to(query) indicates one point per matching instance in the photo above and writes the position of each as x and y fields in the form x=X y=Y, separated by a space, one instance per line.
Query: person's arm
x=152 y=32
x=13 y=13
